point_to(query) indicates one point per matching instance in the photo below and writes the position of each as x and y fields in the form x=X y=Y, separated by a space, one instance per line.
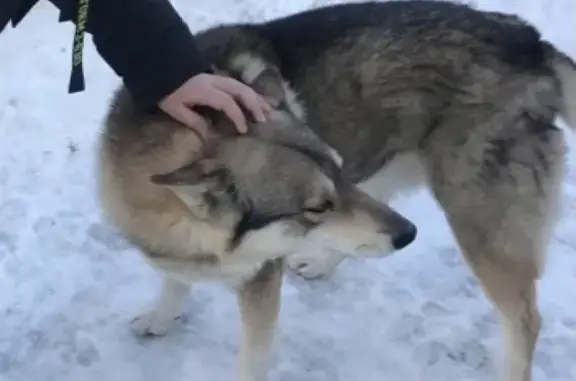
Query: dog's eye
x=224 y=191
x=232 y=192
x=231 y=189
x=322 y=208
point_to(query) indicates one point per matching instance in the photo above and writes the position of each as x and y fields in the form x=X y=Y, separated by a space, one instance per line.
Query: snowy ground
x=68 y=286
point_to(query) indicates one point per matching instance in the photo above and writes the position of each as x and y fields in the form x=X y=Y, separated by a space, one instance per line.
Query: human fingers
x=266 y=105
x=185 y=115
x=222 y=101
x=250 y=99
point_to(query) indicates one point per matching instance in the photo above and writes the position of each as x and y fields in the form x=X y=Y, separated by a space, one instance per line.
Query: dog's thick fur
x=228 y=208
x=407 y=92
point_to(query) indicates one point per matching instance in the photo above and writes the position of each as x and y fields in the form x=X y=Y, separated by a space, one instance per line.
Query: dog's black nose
x=405 y=238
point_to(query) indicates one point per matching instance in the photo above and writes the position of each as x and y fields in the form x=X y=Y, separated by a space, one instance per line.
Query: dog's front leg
x=259 y=302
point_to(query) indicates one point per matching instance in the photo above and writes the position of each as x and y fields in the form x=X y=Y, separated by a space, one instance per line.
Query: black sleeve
x=144 y=41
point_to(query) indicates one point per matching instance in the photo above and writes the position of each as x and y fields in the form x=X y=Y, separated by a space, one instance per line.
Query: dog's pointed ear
x=264 y=77
x=270 y=84
x=191 y=183
x=202 y=174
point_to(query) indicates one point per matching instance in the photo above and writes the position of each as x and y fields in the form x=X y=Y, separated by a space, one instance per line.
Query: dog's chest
x=197 y=270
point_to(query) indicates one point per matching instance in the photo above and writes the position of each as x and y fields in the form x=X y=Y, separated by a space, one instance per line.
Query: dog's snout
x=405 y=237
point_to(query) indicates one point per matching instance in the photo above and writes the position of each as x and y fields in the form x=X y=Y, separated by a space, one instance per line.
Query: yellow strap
x=77 y=77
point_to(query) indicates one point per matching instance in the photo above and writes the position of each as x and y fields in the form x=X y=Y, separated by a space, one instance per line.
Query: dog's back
x=384 y=75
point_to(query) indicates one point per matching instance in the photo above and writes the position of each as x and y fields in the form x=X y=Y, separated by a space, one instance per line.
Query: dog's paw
x=308 y=269
x=314 y=264
x=152 y=324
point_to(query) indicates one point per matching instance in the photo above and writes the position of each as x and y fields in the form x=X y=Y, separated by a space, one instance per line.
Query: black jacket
x=144 y=41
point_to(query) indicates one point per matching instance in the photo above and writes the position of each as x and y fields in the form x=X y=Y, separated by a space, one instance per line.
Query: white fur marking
x=336 y=156
x=348 y=240
x=250 y=67
x=274 y=241
x=293 y=103
x=329 y=184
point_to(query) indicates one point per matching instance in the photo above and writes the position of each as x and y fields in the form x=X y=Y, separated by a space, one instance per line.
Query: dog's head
x=280 y=185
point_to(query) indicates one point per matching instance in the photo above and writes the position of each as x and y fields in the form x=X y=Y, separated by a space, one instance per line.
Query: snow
x=69 y=285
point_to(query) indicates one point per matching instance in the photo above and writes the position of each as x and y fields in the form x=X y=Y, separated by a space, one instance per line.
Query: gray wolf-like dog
x=407 y=92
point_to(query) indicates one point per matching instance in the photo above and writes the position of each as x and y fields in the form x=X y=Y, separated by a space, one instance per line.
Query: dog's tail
x=565 y=70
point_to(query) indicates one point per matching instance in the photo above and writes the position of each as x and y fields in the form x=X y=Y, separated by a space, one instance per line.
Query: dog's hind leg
x=259 y=302
x=166 y=309
x=502 y=209
x=510 y=284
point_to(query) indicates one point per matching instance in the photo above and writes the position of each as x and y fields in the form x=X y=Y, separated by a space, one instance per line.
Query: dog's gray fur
x=408 y=93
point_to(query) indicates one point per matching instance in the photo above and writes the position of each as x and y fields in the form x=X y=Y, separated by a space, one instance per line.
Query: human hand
x=218 y=92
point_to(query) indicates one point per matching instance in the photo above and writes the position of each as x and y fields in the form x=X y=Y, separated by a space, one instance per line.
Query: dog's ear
x=194 y=178
x=191 y=183
x=270 y=84
x=263 y=76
